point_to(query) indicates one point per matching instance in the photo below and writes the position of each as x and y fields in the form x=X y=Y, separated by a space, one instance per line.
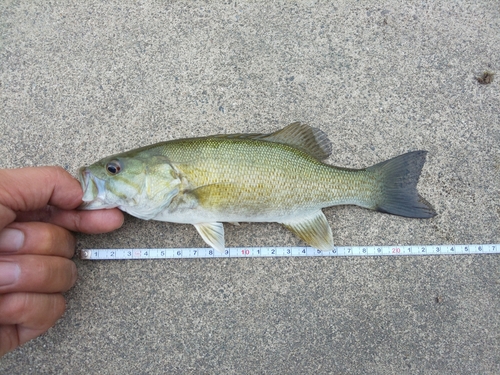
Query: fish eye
x=113 y=167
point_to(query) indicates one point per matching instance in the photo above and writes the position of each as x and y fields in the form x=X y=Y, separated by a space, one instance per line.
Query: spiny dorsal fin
x=310 y=140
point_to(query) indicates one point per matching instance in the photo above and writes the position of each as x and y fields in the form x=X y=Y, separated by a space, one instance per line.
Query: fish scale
x=279 y=175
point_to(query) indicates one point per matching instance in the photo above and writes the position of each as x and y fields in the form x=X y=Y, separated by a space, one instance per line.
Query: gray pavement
x=82 y=80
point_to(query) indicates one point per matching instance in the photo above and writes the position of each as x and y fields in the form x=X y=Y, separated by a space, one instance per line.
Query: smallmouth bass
x=277 y=177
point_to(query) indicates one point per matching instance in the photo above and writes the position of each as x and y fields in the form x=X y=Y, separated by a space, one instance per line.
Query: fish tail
x=397 y=190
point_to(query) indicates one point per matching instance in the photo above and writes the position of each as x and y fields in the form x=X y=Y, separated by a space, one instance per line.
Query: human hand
x=37 y=211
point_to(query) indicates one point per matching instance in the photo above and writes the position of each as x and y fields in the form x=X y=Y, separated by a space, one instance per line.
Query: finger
x=36 y=273
x=28 y=189
x=37 y=238
x=6 y=216
x=24 y=316
x=99 y=221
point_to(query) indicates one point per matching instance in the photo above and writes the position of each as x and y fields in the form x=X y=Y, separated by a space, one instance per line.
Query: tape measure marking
x=262 y=252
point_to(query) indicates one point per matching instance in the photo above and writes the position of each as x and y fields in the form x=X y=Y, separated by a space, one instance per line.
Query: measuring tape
x=264 y=252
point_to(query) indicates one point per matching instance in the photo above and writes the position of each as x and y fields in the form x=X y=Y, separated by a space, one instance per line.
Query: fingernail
x=11 y=239
x=9 y=273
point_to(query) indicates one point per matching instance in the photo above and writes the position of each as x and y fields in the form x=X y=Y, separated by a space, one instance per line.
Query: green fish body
x=276 y=177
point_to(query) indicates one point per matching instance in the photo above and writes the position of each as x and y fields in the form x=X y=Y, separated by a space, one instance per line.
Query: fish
x=277 y=177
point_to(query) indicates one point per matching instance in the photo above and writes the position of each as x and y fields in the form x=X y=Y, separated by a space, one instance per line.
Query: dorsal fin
x=310 y=140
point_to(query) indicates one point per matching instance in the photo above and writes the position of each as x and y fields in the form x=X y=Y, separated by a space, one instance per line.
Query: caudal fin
x=398 y=179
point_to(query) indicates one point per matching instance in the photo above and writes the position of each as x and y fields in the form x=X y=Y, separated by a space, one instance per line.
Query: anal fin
x=212 y=234
x=313 y=229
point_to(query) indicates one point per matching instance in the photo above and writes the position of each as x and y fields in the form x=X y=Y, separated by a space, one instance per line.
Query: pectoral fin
x=212 y=234
x=313 y=229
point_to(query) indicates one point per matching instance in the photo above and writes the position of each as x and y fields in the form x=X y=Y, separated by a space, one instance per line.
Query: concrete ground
x=82 y=80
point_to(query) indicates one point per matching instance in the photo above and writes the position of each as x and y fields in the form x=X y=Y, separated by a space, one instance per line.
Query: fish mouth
x=93 y=190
